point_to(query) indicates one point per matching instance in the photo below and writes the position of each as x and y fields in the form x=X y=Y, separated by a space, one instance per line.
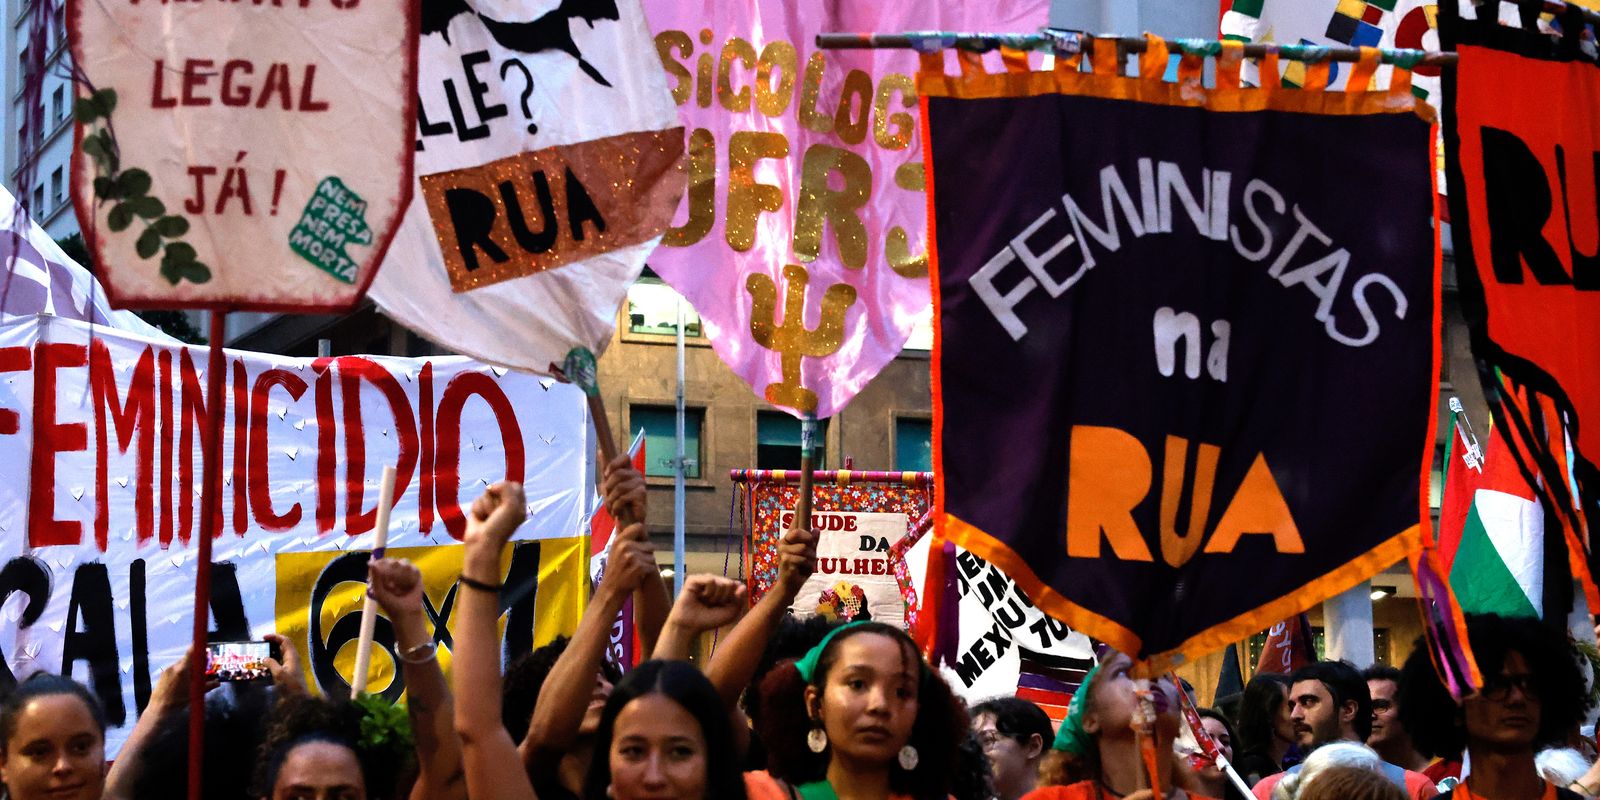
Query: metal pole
x=680 y=468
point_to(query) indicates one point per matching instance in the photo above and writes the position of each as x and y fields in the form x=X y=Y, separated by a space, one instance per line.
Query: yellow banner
x=319 y=599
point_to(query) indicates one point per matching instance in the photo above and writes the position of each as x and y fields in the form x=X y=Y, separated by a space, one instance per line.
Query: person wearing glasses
x=1531 y=698
x=1015 y=734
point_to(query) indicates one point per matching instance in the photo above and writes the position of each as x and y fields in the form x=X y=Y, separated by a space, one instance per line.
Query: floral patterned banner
x=770 y=500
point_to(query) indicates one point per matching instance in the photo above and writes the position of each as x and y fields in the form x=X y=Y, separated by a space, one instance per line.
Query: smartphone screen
x=238 y=661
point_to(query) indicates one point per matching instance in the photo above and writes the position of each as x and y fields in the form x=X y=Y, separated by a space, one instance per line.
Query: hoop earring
x=817 y=740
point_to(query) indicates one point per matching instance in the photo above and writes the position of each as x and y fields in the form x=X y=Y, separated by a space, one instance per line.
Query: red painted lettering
x=260 y=477
x=136 y=414
x=50 y=438
x=352 y=371
x=447 y=487
x=327 y=459
x=13 y=359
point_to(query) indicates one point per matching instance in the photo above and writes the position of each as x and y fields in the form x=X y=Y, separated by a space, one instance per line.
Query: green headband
x=1072 y=738
x=807 y=665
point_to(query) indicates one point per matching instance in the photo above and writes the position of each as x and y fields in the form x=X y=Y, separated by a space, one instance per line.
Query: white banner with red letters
x=100 y=448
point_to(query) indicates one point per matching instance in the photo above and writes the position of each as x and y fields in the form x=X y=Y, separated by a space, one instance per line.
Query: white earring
x=908 y=758
x=817 y=740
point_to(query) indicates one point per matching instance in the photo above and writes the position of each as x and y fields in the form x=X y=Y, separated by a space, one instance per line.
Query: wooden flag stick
x=802 y=507
x=581 y=369
x=369 y=607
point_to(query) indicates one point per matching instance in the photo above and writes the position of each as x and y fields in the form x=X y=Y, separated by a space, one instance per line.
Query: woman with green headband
x=859 y=717
x=1097 y=746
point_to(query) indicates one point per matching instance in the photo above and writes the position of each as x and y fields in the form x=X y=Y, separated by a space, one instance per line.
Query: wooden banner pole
x=802 y=507
x=210 y=512
x=369 y=607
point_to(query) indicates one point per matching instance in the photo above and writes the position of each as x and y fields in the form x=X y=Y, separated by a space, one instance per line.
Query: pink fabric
x=710 y=271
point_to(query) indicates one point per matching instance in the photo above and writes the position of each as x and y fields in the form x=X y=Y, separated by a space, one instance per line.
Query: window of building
x=778 y=441
x=58 y=190
x=1380 y=645
x=38 y=200
x=660 y=424
x=58 y=104
x=913 y=444
x=653 y=308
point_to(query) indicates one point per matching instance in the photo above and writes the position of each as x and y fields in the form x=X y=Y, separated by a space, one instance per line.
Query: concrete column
x=1347 y=622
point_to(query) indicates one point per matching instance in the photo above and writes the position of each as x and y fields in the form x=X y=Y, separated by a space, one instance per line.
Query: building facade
x=39 y=140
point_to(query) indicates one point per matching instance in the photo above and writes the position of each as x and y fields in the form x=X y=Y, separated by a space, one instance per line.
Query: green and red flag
x=1491 y=531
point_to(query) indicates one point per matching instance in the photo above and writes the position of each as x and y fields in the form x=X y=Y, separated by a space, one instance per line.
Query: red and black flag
x=1522 y=146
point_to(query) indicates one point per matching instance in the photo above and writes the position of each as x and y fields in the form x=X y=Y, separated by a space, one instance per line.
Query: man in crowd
x=1531 y=698
x=1015 y=734
x=1389 y=736
x=1329 y=702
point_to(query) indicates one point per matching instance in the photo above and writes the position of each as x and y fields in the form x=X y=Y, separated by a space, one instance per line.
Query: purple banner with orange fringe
x=1187 y=349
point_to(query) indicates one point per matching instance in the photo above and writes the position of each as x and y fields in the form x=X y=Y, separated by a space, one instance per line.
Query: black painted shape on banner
x=581 y=208
x=351 y=567
x=542 y=241
x=440 y=618
x=27 y=575
x=522 y=589
x=472 y=214
x=138 y=612
x=1519 y=205
x=96 y=641
x=229 y=623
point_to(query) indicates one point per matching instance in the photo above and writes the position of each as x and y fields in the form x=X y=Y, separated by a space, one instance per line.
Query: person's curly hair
x=790 y=640
x=525 y=676
x=1435 y=721
x=974 y=779
x=937 y=733
x=300 y=719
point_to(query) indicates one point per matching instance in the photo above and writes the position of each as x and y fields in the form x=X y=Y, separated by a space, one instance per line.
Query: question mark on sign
x=527 y=90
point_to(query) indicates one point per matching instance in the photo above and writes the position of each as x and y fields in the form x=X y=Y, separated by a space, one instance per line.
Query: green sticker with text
x=334 y=217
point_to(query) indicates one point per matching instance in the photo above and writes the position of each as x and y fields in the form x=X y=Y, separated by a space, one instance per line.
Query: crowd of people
x=796 y=708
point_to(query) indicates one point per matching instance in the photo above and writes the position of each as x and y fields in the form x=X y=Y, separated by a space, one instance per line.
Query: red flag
x=623 y=649
x=1289 y=647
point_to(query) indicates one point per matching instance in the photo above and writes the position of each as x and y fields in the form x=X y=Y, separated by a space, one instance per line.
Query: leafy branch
x=129 y=190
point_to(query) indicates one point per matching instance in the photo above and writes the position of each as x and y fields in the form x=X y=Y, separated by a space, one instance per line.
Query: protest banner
x=1390 y=24
x=853 y=572
x=1005 y=644
x=548 y=166
x=41 y=279
x=100 y=515
x=801 y=242
x=1521 y=137
x=1170 y=302
x=858 y=516
x=291 y=209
